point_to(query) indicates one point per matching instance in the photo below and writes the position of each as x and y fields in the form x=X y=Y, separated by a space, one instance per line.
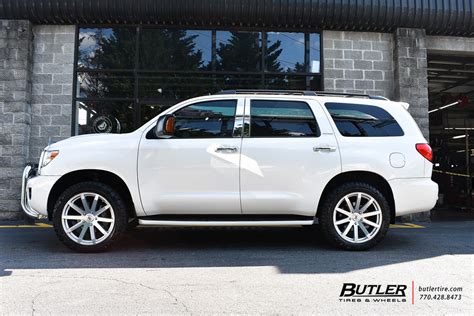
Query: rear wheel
x=355 y=216
x=90 y=217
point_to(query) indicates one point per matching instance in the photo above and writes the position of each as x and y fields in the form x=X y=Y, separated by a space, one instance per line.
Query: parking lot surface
x=272 y=270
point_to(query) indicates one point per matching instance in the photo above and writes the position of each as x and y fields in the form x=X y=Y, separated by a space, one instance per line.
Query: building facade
x=76 y=67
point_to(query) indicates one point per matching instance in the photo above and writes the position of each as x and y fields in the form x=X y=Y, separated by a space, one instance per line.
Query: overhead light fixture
x=459 y=136
x=460 y=151
x=445 y=106
x=459 y=128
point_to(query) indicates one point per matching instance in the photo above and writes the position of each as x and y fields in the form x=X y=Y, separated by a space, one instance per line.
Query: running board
x=223 y=221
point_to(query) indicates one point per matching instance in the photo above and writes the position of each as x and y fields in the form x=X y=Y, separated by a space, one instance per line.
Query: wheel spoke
x=364 y=230
x=365 y=215
x=348 y=228
x=94 y=203
x=92 y=231
x=74 y=227
x=367 y=205
x=340 y=210
x=349 y=204
x=356 y=231
x=76 y=208
x=359 y=198
x=370 y=223
x=102 y=210
x=73 y=217
x=104 y=219
x=100 y=228
x=83 y=232
x=84 y=203
x=342 y=221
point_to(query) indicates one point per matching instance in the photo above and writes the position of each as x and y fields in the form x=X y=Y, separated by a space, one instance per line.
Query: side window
x=359 y=120
x=213 y=119
x=273 y=118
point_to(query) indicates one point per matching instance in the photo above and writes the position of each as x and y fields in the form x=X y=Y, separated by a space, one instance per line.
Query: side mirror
x=165 y=126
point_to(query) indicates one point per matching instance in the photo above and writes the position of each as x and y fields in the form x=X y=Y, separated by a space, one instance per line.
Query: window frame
x=310 y=79
x=248 y=118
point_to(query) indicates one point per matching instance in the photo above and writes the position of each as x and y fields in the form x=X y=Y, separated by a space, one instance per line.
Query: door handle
x=226 y=149
x=325 y=148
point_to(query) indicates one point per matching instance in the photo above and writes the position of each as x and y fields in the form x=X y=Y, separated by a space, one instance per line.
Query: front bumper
x=29 y=172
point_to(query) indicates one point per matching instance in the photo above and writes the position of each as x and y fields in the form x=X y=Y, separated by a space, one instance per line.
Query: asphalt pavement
x=249 y=271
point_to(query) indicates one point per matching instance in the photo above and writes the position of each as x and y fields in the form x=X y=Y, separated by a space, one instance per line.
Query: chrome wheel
x=357 y=217
x=88 y=218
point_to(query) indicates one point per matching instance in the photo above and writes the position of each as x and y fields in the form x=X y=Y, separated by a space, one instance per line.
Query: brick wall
x=358 y=62
x=51 y=103
x=15 y=87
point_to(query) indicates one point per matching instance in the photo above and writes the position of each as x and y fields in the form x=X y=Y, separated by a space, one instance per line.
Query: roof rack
x=265 y=91
x=302 y=92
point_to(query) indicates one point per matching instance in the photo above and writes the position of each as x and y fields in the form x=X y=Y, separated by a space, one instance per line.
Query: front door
x=289 y=152
x=197 y=170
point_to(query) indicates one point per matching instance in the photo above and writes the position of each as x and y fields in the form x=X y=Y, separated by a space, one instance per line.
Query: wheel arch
x=102 y=176
x=361 y=176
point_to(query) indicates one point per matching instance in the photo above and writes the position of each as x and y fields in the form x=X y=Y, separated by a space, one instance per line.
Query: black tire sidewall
x=328 y=209
x=111 y=195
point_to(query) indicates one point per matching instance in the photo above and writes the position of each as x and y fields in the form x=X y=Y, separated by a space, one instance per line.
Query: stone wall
x=51 y=102
x=15 y=87
x=358 y=62
x=35 y=99
x=411 y=76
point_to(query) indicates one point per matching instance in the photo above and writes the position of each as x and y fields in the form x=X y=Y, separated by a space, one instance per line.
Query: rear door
x=289 y=153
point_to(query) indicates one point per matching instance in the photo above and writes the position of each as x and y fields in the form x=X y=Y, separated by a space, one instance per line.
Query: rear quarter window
x=360 y=120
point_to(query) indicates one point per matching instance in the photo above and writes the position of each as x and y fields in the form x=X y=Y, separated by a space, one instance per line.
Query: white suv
x=241 y=158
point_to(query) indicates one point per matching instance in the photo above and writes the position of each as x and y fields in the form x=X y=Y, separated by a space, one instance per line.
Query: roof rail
x=351 y=95
x=302 y=92
x=264 y=91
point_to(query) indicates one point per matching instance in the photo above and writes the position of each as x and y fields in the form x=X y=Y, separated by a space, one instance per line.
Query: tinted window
x=285 y=52
x=363 y=120
x=106 y=48
x=282 y=119
x=206 y=120
x=165 y=49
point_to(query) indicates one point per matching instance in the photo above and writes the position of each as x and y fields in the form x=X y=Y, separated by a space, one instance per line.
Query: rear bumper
x=413 y=195
x=35 y=192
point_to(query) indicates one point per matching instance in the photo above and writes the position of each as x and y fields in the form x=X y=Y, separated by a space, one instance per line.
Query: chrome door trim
x=239 y=118
x=246 y=121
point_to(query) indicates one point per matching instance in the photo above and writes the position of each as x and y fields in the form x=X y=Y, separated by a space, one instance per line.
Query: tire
x=77 y=225
x=352 y=227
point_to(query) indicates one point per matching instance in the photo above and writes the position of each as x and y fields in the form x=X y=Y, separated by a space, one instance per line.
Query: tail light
x=425 y=151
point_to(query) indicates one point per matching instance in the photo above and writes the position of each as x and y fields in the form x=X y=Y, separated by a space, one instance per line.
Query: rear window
x=359 y=120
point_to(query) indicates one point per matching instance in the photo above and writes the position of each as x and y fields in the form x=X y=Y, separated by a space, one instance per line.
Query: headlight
x=48 y=156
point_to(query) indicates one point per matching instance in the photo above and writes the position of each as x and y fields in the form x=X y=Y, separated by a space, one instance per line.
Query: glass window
x=175 y=49
x=104 y=117
x=271 y=118
x=285 y=52
x=175 y=86
x=142 y=69
x=239 y=51
x=285 y=82
x=214 y=119
x=101 y=85
x=106 y=48
x=314 y=53
x=363 y=120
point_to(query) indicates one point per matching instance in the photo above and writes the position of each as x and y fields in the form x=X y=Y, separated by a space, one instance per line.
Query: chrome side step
x=214 y=223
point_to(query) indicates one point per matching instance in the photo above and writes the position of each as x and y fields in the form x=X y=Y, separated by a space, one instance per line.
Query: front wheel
x=355 y=216
x=89 y=217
